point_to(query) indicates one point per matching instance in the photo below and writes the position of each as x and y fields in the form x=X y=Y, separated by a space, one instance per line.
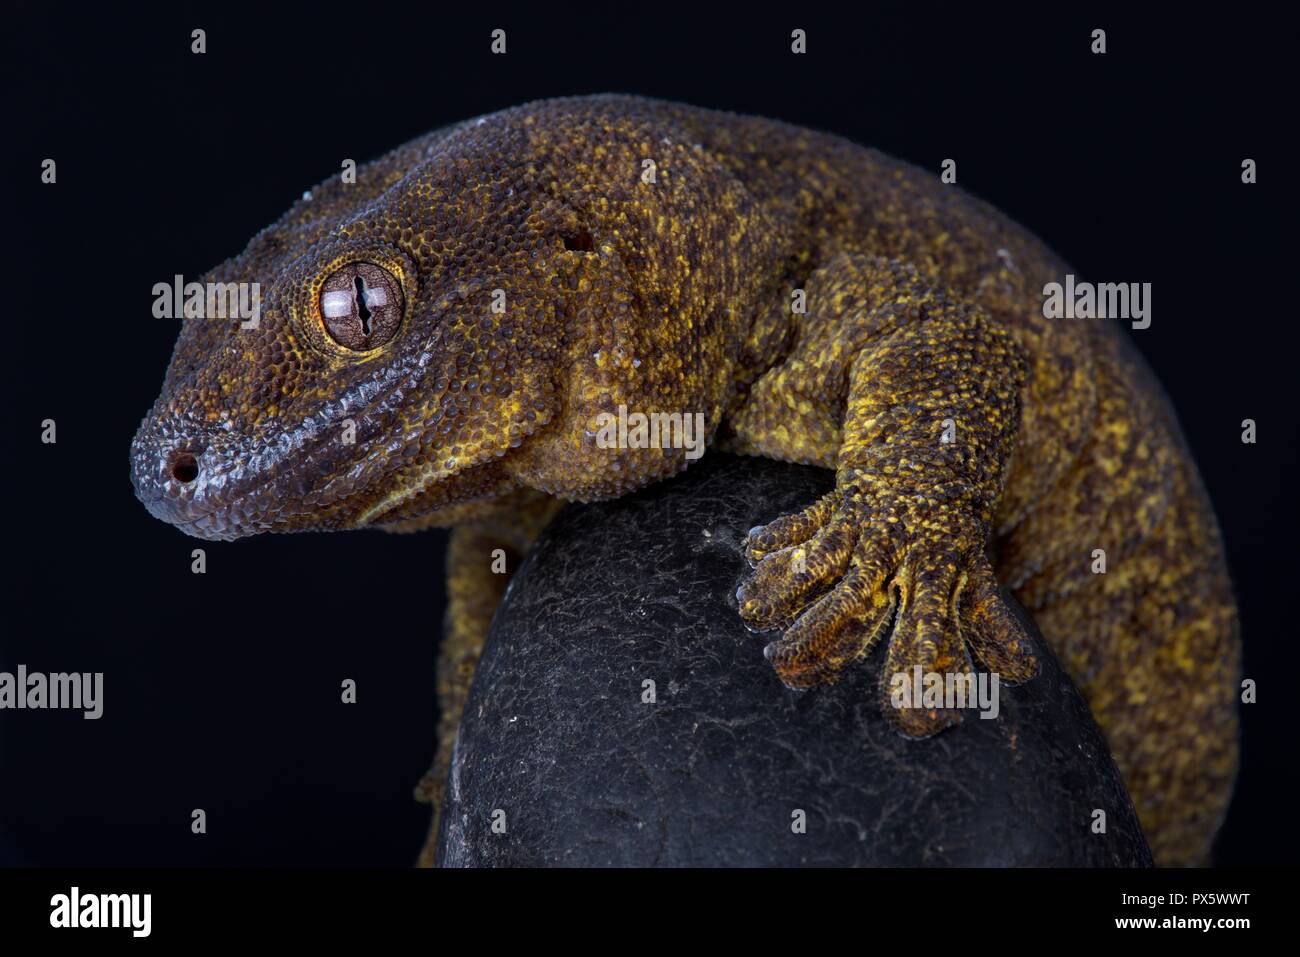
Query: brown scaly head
x=378 y=381
x=449 y=328
x=385 y=378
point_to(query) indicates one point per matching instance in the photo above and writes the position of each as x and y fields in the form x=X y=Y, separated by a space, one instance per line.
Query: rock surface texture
x=564 y=759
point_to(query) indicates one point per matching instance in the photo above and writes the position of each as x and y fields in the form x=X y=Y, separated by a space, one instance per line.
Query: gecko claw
x=835 y=582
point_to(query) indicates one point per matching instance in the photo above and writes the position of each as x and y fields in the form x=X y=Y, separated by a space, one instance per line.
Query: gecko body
x=442 y=342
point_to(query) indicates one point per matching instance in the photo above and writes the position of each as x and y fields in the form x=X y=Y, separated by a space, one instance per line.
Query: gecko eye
x=362 y=306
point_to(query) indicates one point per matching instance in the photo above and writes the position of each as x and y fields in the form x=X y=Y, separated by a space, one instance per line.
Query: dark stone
x=556 y=734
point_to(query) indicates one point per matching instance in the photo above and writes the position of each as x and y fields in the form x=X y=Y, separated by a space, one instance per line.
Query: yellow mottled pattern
x=974 y=441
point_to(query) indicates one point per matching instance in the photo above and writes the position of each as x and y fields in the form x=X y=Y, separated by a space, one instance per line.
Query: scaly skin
x=974 y=441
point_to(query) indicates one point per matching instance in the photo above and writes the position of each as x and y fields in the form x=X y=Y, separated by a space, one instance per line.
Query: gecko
x=439 y=341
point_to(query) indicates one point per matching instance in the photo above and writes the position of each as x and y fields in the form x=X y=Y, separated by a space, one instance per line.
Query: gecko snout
x=170 y=480
x=213 y=488
x=158 y=473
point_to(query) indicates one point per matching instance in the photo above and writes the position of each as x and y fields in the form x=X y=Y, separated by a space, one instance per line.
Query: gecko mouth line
x=176 y=502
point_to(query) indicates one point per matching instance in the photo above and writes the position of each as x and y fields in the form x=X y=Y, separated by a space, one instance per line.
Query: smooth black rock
x=558 y=746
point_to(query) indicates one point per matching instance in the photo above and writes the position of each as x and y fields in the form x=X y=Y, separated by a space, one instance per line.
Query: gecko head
x=397 y=341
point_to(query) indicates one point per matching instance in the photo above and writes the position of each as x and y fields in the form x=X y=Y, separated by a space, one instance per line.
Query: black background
x=222 y=690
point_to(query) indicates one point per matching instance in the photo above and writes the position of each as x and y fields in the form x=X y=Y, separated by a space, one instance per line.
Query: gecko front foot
x=833 y=576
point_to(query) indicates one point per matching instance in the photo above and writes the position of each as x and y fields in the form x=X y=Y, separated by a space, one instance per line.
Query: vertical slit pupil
x=362 y=309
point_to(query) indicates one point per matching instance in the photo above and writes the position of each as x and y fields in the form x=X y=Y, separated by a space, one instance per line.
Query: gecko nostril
x=185 y=468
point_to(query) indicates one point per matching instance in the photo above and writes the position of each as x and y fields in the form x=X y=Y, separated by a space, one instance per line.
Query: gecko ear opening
x=579 y=241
